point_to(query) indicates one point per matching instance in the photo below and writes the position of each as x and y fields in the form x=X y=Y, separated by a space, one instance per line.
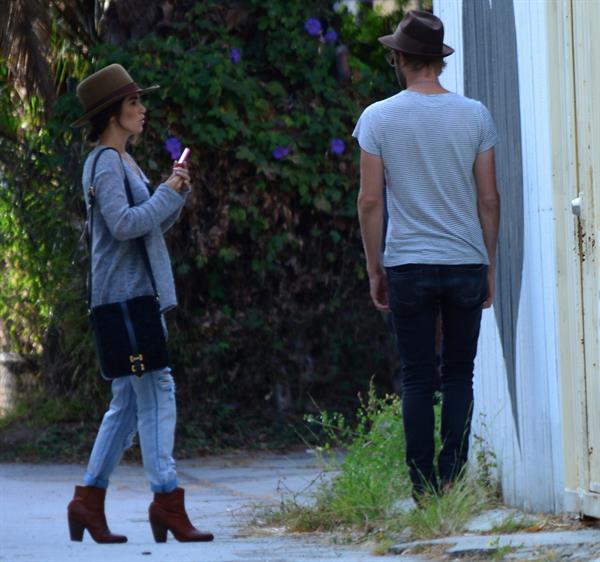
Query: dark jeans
x=418 y=293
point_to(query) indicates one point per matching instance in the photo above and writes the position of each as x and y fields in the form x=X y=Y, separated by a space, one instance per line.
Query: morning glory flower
x=280 y=152
x=331 y=36
x=173 y=147
x=337 y=146
x=313 y=26
x=235 y=55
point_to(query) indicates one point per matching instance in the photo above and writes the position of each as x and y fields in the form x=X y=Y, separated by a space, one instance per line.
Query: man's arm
x=488 y=208
x=370 y=214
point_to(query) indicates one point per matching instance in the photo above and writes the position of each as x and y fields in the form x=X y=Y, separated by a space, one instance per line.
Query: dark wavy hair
x=99 y=122
x=418 y=62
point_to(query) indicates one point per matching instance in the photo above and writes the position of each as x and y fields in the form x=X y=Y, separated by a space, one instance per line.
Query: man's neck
x=425 y=83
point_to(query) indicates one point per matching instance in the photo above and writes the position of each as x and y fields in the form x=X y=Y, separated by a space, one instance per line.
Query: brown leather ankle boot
x=167 y=513
x=86 y=511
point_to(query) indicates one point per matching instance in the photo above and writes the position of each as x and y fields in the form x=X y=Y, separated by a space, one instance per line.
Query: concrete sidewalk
x=220 y=493
x=219 y=490
x=581 y=545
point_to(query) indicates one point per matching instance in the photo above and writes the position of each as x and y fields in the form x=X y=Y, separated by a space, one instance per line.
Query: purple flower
x=173 y=147
x=331 y=36
x=313 y=26
x=235 y=55
x=280 y=152
x=337 y=146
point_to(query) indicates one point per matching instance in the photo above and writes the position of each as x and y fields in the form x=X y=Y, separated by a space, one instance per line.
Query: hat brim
x=85 y=118
x=389 y=42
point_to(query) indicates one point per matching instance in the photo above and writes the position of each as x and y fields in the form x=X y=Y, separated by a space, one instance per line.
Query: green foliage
x=41 y=283
x=48 y=429
x=446 y=514
x=369 y=480
x=501 y=552
x=372 y=476
x=267 y=256
x=485 y=458
x=368 y=490
x=515 y=523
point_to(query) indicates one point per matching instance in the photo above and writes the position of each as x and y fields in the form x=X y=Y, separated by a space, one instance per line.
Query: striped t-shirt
x=428 y=144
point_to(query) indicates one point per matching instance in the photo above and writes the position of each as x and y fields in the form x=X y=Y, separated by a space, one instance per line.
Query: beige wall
x=387 y=6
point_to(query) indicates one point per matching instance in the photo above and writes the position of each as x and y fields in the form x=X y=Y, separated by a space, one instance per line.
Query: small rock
x=481 y=552
x=486 y=521
x=403 y=505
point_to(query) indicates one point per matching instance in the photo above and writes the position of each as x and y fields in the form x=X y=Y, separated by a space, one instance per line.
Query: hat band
x=408 y=42
x=123 y=91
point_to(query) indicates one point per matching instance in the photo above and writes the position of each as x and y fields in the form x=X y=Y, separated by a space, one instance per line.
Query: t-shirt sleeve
x=488 y=133
x=366 y=134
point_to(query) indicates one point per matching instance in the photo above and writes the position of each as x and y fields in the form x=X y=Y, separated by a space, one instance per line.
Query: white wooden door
x=586 y=58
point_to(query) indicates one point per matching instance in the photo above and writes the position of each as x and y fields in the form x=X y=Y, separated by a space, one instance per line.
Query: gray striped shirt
x=428 y=144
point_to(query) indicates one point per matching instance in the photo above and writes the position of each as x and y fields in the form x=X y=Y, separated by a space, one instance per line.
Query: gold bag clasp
x=137 y=365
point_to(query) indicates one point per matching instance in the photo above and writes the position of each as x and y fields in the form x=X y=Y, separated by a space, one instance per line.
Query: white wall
x=530 y=468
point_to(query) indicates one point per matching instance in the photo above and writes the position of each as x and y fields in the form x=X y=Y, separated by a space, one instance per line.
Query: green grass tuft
x=447 y=514
x=513 y=523
x=367 y=487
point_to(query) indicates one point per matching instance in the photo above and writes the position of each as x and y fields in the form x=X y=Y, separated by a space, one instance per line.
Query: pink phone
x=184 y=156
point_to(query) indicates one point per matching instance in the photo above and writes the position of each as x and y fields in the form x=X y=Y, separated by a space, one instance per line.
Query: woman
x=145 y=404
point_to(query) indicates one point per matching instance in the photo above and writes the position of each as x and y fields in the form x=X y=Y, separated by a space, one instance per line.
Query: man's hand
x=379 y=289
x=491 y=283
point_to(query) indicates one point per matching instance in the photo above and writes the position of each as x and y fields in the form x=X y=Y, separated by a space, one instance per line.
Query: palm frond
x=24 y=38
x=79 y=21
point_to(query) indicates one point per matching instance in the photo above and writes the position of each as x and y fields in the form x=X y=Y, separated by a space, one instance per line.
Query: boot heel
x=75 y=529
x=159 y=531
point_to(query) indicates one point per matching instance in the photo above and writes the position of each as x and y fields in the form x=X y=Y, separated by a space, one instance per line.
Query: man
x=433 y=149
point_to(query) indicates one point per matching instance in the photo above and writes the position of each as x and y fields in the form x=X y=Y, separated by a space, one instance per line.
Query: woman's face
x=133 y=115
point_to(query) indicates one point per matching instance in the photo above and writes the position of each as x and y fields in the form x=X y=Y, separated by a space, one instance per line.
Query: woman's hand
x=179 y=178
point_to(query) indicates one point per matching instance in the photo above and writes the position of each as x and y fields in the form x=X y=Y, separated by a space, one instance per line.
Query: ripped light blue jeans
x=145 y=405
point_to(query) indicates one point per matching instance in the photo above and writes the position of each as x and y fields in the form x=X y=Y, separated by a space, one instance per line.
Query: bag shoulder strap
x=91 y=203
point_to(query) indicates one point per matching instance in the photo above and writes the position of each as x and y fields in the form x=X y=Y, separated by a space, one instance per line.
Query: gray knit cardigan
x=118 y=268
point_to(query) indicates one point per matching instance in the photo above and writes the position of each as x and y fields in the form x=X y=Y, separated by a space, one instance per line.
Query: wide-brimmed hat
x=419 y=33
x=110 y=84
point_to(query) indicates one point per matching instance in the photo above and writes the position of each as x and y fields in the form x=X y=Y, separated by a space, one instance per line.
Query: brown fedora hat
x=419 y=33
x=110 y=84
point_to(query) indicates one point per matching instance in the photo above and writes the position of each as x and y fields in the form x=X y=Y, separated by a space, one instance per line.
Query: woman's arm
x=172 y=219
x=123 y=221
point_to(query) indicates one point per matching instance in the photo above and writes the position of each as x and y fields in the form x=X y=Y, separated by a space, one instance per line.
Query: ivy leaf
x=322 y=204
